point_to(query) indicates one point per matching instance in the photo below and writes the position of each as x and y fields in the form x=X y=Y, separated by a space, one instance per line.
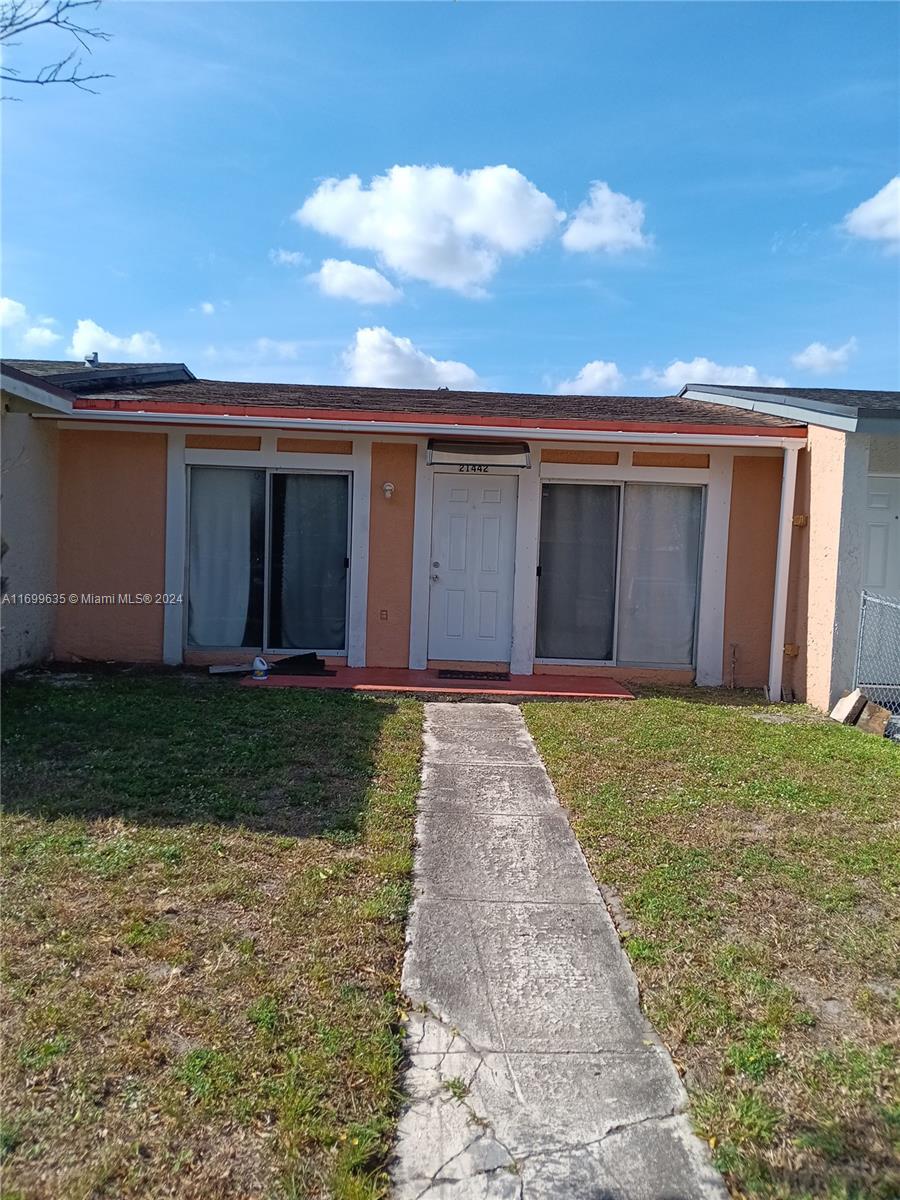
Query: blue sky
x=678 y=189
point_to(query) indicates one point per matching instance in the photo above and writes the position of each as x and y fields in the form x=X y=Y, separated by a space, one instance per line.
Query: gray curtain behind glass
x=308 y=588
x=577 y=586
x=660 y=564
x=225 y=549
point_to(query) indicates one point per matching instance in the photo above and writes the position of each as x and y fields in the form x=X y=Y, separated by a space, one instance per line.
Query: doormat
x=473 y=674
x=300 y=664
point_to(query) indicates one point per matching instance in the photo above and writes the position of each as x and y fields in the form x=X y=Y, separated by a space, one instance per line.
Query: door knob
x=435 y=578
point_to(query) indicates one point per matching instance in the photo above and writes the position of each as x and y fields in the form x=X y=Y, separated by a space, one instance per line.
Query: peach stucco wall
x=652 y=458
x=826 y=454
x=750 y=571
x=214 y=441
x=391 y=525
x=837 y=502
x=566 y=454
x=112 y=524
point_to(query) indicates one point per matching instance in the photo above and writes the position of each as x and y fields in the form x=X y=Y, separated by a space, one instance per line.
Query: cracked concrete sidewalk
x=532 y=1071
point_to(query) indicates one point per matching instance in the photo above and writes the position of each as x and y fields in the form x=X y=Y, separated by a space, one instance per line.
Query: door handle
x=435 y=578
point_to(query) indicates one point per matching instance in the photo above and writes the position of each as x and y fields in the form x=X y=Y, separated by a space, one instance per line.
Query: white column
x=711 y=619
x=421 y=564
x=359 y=552
x=782 y=573
x=528 y=518
x=174 y=615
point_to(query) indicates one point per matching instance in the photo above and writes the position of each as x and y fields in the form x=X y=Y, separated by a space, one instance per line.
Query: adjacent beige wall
x=29 y=531
x=827 y=565
x=112 y=521
x=838 y=469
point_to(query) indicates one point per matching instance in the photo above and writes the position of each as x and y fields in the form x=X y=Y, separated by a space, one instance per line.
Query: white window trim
x=709 y=640
x=266 y=647
x=620 y=514
x=175 y=615
x=615 y=661
x=357 y=465
x=421 y=559
x=710 y=631
x=420 y=601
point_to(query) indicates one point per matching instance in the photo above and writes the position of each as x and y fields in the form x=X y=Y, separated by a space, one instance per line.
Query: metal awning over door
x=486 y=454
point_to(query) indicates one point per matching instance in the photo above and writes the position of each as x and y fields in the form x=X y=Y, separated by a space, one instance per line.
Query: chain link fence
x=878 y=651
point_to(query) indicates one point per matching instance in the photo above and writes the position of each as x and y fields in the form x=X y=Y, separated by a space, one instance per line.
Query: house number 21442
x=472 y=469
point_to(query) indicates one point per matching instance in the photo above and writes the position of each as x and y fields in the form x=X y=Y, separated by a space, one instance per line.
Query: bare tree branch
x=22 y=16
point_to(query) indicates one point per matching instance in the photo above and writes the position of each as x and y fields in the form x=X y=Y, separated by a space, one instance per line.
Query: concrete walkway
x=533 y=1073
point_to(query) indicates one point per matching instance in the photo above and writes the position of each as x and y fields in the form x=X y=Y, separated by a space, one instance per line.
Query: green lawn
x=205 y=896
x=754 y=868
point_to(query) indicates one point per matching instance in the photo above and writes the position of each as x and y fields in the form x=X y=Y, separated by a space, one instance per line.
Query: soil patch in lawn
x=205 y=896
x=757 y=868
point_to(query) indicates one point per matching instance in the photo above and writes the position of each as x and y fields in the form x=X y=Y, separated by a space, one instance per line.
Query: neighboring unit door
x=882 y=564
x=473 y=538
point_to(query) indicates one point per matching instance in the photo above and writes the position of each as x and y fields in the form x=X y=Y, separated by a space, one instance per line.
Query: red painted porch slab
x=375 y=679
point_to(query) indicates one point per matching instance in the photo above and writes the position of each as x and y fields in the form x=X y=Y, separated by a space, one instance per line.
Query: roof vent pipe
x=92 y=359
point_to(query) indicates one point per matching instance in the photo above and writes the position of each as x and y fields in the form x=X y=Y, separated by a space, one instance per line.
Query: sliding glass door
x=619 y=573
x=308 y=556
x=659 y=574
x=577 y=584
x=268 y=559
x=226 y=557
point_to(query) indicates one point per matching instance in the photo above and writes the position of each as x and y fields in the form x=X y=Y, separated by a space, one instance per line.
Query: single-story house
x=720 y=536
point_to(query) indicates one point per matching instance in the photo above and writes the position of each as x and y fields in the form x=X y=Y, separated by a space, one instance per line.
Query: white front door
x=882 y=561
x=473 y=541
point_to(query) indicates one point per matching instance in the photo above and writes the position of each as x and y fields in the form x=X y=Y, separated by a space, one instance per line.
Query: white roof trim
x=809 y=412
x=34 y=396
x=419 y=428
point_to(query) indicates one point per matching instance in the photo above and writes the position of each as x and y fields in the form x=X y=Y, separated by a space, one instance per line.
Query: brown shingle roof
x=171 y=386
x=514 y=406
x=852 y=397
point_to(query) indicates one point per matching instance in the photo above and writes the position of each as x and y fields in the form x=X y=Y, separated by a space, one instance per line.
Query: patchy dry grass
x=756 y=867
x=203 y=926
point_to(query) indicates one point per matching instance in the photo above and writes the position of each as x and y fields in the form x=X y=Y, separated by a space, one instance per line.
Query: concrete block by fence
x=848 y=708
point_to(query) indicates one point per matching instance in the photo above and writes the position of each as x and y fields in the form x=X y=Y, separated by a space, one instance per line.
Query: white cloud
x=378 y=359
x=288 y=258
x=39 y=337
x=822 y=359
x=607 y=220
x=11 y=312
x=447 y=228
x=207 y=308
x=88 y=336
x=594 y=379
x=704 y=370
x=878 y=218
x=272 y=348
x=350 y=281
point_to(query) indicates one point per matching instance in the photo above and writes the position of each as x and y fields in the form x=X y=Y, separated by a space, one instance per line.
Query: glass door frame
x=620 y=487
x=269 y=472
x=620 y=484
x=701 y=537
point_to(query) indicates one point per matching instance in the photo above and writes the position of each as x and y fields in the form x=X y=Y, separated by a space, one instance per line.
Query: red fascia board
x=358 y=416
